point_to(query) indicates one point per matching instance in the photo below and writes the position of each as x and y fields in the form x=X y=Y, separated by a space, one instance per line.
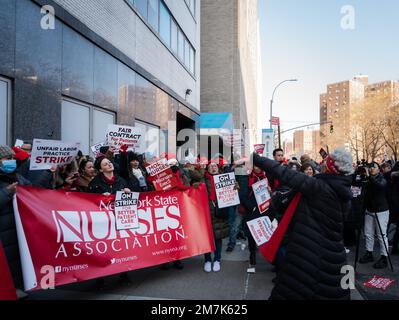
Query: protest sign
x=226 y=194
x=260 y=148
x=7 y=289
x=162 y=175
x=126 y=210
x=379 y=283
x=118 y=136
x=262 y=229
x=19 y=143
x=96 y=148
x=78 y=235
x=49 y=153
x=262 y=195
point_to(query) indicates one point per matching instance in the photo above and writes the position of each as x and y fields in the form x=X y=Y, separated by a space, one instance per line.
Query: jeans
x=371 y=228
x=217 y=253
x=234 y=223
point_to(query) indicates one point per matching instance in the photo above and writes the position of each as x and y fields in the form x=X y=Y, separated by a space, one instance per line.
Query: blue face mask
x=9 y=166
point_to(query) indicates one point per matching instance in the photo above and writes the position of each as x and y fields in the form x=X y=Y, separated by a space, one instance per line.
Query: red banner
x=7 y=289
x=75 y=233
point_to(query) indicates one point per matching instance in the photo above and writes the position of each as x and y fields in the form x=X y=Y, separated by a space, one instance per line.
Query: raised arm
x=296 y=180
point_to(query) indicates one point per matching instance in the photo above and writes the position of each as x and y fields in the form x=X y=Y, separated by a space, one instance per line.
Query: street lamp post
x=271 y=102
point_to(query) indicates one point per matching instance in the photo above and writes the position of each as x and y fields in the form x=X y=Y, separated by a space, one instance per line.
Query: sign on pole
x=268 y=141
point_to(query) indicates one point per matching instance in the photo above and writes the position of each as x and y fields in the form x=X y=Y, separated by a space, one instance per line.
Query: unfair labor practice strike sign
x=225 y=190
x=262 y=195
x=126 y=210
x=118 y=136
x=262 y=229
x=49 y=153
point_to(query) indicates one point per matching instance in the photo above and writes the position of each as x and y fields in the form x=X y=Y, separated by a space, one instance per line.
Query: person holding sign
x=220 y=226
x=107 y=183
x=248 y=201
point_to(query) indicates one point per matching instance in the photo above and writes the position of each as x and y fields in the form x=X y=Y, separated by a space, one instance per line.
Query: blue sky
x=303 y=39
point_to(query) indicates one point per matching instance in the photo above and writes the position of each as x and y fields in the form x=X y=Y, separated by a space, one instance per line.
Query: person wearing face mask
x=9 y=182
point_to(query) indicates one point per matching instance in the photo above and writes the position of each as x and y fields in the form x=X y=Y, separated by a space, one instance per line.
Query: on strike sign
x=225 y=190
x=126 y=210
x=79 y=239
x=49 y=153
x=379 y=283
x=262 y=195
x=118 y=136
x=262 y=229
x=162 y=176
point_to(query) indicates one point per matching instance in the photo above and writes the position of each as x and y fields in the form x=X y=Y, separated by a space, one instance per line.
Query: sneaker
x=178 y=265
x=382 y=263
x=230 y=249
x=208 y=267
x=347 y=251
x=368 y=257
x=216 y=266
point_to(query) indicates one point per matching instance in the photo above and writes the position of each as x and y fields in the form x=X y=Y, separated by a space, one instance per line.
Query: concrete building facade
x=96 y=62
x=230 y=62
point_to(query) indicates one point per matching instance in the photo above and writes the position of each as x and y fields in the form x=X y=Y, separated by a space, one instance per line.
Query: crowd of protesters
x=338 y=199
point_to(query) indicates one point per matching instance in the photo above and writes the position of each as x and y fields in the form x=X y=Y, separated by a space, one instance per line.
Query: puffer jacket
x=315 y=254
x=220 y=226
x=375 y=196
x=8 y=231
x=98 y=185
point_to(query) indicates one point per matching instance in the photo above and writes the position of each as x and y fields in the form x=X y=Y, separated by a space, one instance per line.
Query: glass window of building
x=191 y=6
x=142 y=7
x=180 y=42
x=152 y=137
x=93 y=124
x=164 y=27
x=153 y=13
x=186 y=53
x=173 y=36
x=192 y=60
x=4 y=110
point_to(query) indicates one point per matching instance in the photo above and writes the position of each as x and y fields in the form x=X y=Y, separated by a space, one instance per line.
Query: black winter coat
x=315 y=254
x=375 y=196
x=98 y=185
x=8 y=231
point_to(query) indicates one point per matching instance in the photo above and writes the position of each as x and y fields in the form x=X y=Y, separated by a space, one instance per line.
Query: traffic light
x=332 y=129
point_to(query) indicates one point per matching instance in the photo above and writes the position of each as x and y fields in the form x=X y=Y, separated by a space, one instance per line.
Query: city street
x=192 y=283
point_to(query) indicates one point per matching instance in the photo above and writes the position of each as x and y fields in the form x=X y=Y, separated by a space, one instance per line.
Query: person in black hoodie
x=315 y=251
x=376 y=204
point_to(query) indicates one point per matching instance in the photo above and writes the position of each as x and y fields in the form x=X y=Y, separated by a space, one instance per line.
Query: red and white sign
x=259 y=148
x=78 y=235
x=262 y=229
x=262 y=195
x=134 y=138
x=96 y=148
x=225 y=190
x=49 y=153
x=379 y=283
x=163 y=178
x=126 y=210
x=275 y=121
x=7 y=289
